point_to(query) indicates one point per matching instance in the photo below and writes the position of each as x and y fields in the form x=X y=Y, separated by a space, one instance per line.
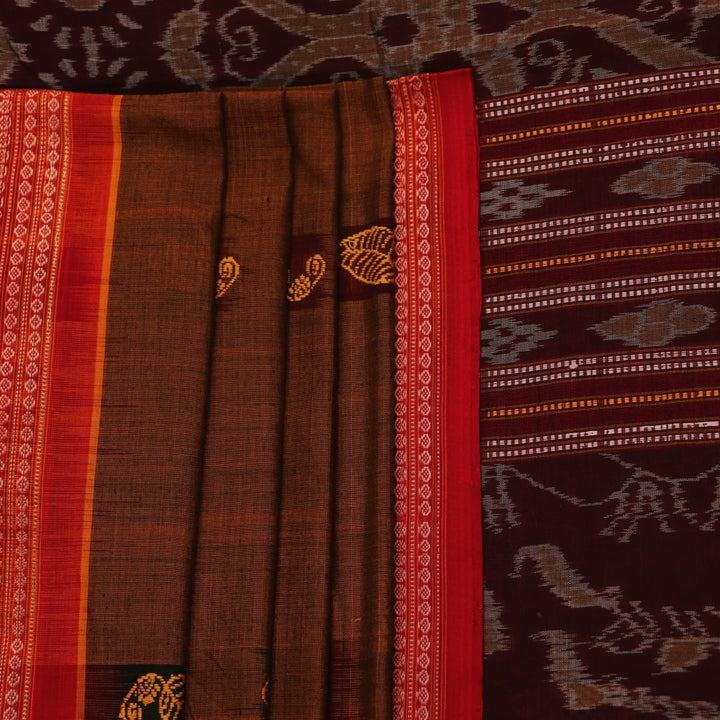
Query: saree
x=599 y=340
x=228 y=487
x=600 y=401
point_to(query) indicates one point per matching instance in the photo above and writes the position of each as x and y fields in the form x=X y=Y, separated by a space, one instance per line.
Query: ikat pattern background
x=513 y=45
x=600 y=344
x=599 y=591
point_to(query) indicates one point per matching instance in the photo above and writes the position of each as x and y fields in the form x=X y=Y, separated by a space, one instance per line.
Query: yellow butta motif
x=151 y=688
x=228 y=272
x=303 y=284
x=367 y=255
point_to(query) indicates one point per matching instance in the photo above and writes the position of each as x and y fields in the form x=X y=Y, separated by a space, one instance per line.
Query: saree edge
x=438 y=564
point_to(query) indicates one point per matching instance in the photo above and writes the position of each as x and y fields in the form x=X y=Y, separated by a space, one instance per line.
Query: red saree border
x=111 y=134
x=34 y=165
x=461 y=293
x=74 y=385
x=438 y=572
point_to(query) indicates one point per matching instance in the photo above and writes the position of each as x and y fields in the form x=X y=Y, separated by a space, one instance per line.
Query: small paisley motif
x=303 y=284
x=367 y=256
x=228 y=272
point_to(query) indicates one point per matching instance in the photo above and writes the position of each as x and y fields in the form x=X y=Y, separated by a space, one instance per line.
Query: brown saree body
x=302 y=603
x=240 y=551
x=198 y=375
x=159 y=322
x=229 y=647
x=362 y=577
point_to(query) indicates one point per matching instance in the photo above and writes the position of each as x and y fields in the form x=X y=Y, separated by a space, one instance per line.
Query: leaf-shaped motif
x=171 y=701
x=228 y=272
x=150 y=688
x=367 y=255
x=303 y=284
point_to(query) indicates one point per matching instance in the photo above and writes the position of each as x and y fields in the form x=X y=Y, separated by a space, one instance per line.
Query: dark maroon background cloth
x=513 y=45
x=599 y=421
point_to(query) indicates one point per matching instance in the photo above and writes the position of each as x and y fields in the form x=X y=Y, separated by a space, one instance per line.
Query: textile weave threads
x=600 y=425
x=438 y=641
x=513 y=46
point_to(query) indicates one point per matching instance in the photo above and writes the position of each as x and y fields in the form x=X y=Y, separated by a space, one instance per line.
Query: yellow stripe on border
x=601 y=123
x=588 y=403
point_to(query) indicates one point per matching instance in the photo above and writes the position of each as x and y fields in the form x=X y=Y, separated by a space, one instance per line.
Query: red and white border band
x=438 y=627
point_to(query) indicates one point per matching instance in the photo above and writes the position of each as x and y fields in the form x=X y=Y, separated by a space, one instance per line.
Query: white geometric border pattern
x=33 y=162
x=417 y=682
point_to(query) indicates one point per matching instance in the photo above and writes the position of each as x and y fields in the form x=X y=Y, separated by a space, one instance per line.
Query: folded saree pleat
x=298 y=684
x=362 y=564
x=234 y=577
x=159 y=320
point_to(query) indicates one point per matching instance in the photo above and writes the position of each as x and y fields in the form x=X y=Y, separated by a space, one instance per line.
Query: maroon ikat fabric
x=512 y=45
x=600 y=341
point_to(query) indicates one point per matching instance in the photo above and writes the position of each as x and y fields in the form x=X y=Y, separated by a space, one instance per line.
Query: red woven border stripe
x=33 y=174
x=459 y=429
x=88 y=141
x=438 y=554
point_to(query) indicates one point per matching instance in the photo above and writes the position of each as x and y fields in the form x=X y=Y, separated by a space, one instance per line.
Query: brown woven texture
x=362 y=618
x=154 y=394
x=242 y=530
x=235 y=565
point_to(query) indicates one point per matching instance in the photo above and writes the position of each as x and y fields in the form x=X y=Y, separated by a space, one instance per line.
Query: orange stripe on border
x=97 y=400
x=601 y=123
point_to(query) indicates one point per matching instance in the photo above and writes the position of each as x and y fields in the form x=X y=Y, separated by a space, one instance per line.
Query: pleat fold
x=234 y=577
x=361 y=649
x=299 y=682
